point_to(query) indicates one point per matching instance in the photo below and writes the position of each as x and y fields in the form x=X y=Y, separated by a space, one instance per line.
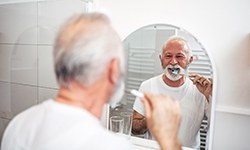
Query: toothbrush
x=137 y=93
x=175 y=72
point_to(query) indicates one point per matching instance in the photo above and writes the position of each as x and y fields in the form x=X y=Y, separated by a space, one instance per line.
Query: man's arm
x=139 y=125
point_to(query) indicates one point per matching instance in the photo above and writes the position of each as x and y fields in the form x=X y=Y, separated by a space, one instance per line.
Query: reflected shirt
x=193 y=106
x=55 y=126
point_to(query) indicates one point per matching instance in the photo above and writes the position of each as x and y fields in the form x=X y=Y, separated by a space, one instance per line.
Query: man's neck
x=171 y=83
x=85 y=98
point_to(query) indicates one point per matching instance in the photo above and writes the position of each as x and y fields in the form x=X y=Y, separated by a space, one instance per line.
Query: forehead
x=175 y=46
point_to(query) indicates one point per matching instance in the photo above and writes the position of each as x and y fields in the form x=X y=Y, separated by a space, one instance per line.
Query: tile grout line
x=37 y=53
x=23 y=84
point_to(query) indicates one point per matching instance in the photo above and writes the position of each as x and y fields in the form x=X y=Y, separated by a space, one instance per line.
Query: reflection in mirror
x=151 y=59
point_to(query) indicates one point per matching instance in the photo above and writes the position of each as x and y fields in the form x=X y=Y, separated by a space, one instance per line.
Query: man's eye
x=168 y=56
x=180 y=57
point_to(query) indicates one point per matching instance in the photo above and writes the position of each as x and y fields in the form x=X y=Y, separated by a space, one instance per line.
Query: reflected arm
x=139 y=125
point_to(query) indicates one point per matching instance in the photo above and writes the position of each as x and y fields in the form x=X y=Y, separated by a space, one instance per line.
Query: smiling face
x=175 y=53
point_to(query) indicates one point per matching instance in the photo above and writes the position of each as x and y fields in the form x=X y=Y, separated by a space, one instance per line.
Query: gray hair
x=83 y=48
x=179 y=38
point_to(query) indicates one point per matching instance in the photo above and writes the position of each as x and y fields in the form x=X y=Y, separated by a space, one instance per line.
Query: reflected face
x=174 y=53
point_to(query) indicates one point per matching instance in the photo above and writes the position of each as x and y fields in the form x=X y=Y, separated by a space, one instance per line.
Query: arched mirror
x=142 y=49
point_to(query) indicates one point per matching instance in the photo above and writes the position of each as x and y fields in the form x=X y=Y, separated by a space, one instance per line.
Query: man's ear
x=190 y=60
x=114 y=71
x=160 y=59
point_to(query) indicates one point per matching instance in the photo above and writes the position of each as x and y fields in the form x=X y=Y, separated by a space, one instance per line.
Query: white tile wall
x=27 y=32
x=45 y=94
x=5 y=61
x=22 y=97
x=24 y=64
x=46 y=75
x=16 y=98
x=5 y=100
x=3 y=125
x=18 y=23
x=51 y=14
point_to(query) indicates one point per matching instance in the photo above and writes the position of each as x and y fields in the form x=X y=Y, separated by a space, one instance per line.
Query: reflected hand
x=163 y=119
x=203 y=84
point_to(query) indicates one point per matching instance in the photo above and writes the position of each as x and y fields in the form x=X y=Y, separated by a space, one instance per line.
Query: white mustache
x=174 y=66
x=172 y=76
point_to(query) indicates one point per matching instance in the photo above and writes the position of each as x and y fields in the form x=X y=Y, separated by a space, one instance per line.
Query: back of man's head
x=83 y=47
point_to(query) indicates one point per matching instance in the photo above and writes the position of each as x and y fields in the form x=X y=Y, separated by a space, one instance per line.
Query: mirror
x=142 y=49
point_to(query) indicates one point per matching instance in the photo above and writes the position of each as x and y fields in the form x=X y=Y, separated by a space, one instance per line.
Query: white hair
x=83 y=48
x=179 y=38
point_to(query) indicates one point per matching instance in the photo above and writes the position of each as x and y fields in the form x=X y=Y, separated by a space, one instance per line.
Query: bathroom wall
x=27 y=31
x=223 y=27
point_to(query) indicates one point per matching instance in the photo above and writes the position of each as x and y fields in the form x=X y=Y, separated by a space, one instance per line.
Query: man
x=193 y=92
x=89 y=67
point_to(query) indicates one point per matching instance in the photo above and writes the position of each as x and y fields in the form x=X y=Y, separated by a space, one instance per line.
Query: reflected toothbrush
x=175 y=72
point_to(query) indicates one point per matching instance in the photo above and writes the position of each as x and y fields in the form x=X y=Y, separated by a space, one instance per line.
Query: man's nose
x=173 y=61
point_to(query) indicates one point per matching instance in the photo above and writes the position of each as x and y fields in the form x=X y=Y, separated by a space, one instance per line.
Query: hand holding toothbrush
x=204 y=85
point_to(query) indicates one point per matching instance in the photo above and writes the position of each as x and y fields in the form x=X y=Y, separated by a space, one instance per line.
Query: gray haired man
x=89 y=67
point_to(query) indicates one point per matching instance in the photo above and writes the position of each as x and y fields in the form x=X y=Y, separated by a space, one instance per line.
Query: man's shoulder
x=34 y=109
x=22 y=123
x=26 y=115
x=152 y=79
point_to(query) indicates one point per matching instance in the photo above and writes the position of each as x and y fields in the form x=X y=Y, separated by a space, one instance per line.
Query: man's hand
x=163 y=120
x=203 y=84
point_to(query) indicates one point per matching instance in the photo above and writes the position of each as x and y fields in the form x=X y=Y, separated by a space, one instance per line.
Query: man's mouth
x=174 y=71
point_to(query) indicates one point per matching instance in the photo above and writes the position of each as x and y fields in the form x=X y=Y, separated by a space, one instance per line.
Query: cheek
x=164 y=63
x=183 y=64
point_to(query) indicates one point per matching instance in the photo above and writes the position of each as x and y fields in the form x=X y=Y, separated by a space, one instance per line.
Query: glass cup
x=127 y=126
x=116 y=124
